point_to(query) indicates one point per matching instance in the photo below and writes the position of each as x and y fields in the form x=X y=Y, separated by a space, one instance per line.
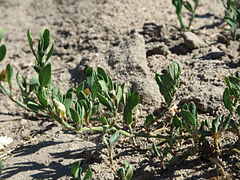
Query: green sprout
x=179 y=4
x=126 y=172
x=232 y=16
x=78 y=173
x=169 y=82
x=110 y=143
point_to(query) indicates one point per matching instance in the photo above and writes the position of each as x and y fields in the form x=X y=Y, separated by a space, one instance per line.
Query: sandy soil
x=132 y=40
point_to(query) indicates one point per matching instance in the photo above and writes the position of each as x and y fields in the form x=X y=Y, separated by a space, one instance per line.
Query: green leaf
x=188 y=6
x=30 y=42
x=79 y=88
x=133 y=99
x=215 y=125
x=207 y=123
x=174 y=70
x=45 y=75
x=155 y=150
x=103 y=86
x=227 y=101
x=34 y=106
x=102 y=72
x=42 y=98
x=225 y=123
x=46 y=39
x=68 y=100
x=88 y=175
x=50 y=52
x=56 y=93
x=149 y=120
x=121 y=173
x=95 y=88
x=114 y=138
x=188 y=117
x=104 y=120
x=76 y=170
x=176 y=122
x=1 y=167
x=3 y=51
x=9 y=74
x=128 y=171
x=75 y=117
x=105 y=101
x=33 y=83
x=1 y=34
x=119 y=94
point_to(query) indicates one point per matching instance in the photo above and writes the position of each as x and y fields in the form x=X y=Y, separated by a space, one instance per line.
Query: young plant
x=232 y=16
x=126 y=172
x=169 y=82
x=110 y=143
x=179 y=4
x=78 y=173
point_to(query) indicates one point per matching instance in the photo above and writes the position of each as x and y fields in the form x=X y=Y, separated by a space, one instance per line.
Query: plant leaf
x=9 y=74
x=46 y=39
x=1 y=167
x=1 y=34
x=30 y=42
x=114 y=138
x=149 y=120
x=105 y=101
x=45 y=75
x=76 y=170
x=176 y=122
x=42 y=98
x=50 y=52
x=75 y=117
x=188 y=6
x=3 y=51
x=88 y=175
x=227 y=101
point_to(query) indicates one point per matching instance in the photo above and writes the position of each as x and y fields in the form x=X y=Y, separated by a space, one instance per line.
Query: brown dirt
x=132 y=40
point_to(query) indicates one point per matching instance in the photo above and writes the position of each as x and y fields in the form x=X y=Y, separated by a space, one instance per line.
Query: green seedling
x=232 y=16
x=126 y=172
x=160 y=154
x=78 y=173
x=42 y=54
x=219 y=126
x=169 y=82
x=111 y=143
x=179 y=5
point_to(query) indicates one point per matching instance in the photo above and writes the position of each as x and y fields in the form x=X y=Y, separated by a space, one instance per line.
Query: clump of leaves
x=232 y=16
x=190 y=7
x=100 y=105
x=78 y=173
x=126 y=172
